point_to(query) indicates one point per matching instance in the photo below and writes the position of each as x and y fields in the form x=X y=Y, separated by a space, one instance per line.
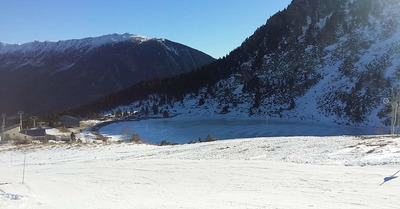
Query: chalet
x=34 y=134
x=14 y=132
x=69 y=121
x=11 y=132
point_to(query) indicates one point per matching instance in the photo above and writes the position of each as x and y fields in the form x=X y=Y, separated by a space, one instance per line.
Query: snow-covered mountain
x=45 y=76
x=325 y=60
x=320 y=60
x=84 y=45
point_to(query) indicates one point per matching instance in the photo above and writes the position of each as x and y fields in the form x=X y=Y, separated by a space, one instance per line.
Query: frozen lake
x=184 y=129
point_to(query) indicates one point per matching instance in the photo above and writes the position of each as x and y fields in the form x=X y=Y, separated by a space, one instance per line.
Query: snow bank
x=283 y=172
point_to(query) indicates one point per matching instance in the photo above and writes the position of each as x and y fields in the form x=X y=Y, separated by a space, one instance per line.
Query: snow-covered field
x=285 y=172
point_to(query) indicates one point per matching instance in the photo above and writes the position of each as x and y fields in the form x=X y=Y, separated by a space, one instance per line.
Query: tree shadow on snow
x=386 y=179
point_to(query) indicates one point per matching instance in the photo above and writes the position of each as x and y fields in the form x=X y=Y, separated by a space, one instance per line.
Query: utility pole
x=396 y=113
x=23 y=172
x=3 y=126
x=20 y=113
x=34 y=121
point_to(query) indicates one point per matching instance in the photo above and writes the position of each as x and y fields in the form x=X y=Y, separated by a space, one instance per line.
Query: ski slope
x=283 y=172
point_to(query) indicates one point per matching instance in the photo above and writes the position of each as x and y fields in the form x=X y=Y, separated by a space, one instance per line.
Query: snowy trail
x=207 y=175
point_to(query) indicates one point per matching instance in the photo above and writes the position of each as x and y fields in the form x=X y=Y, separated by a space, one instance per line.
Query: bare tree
x=126 y=133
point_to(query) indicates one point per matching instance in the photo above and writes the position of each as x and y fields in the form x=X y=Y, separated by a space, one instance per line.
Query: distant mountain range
x=40 y=77
x=316 y=60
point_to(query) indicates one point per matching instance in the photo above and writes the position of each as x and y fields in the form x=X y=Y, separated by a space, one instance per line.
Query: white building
x=11 y=132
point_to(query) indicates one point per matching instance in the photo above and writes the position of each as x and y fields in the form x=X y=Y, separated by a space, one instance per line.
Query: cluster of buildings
x=15 y=132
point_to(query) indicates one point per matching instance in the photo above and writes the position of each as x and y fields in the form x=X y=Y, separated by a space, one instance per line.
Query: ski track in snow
x=282 y=172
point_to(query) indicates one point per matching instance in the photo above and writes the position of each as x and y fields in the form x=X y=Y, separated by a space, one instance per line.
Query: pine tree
x=155 y=109
x=118 y=114
x=165 y=114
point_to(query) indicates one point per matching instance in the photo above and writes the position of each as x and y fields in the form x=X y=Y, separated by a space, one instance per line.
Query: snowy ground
x=285 y=172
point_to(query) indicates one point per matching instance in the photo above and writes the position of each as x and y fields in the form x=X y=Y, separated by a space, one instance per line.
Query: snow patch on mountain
x=86 y=44
x=168 y=47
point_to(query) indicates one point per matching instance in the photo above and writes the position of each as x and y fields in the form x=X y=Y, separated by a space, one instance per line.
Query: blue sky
x=213 y=26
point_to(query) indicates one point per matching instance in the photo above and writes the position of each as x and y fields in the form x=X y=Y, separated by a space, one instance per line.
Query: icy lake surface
x=184 y=129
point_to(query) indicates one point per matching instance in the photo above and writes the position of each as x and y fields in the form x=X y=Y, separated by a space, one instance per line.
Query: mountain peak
x=116 y=38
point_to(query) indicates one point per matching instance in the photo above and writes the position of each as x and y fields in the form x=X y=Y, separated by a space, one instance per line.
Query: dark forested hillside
x=41 y=77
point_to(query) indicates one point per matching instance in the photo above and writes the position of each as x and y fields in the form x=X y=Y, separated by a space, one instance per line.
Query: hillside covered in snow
x=316 y=60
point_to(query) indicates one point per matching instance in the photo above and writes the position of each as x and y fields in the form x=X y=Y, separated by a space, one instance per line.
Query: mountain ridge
x=56 y=75
x=90 y=42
